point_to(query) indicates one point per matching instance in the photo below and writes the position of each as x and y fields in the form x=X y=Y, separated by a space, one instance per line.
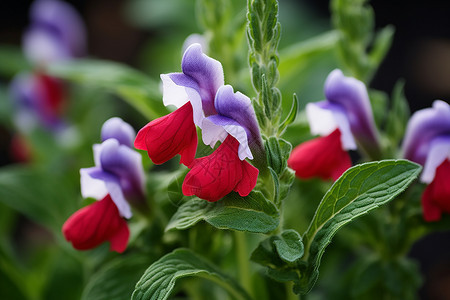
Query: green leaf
x=116 y=280
x=291 y=115
x=359 y=190
x=280 y=254
x=278 y=151
x=381 y=45
x=289 y=246
x=159 y=279
x=34 y=193
x=399 y=114
x=133 y=86
x=253 y=213
x=298 y=56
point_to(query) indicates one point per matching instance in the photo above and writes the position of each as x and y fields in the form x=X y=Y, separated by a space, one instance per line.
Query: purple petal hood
x=427 y=138
x=56 y=32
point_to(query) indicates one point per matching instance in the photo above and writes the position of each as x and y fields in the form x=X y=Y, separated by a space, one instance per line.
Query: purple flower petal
x=423 y=127
x=31 y=100
x=237 y=117
x=42 y=48
x=62 y=21
x=96 y=182
x=207 y=72
x=351 y=95
x=324 y=117
x=117 y=129
x=126 y=164
x=438 y=153
x=201 y=78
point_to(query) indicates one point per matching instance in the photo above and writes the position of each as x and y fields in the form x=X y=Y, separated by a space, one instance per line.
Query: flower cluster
x=118 y=174
x=427 y=142
x=223 y=115
x=343 y=120
x=56 y=33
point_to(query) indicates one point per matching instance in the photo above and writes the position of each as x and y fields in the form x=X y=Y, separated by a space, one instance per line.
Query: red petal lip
x=213 y=177
x=436 y=197
x=170 y=135
x=321 y=157
x=53 y=97
x=97 y=223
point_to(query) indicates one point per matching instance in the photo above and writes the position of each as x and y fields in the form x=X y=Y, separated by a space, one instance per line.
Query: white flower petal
x=438 y=153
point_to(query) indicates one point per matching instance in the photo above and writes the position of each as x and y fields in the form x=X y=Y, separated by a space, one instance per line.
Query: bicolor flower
x=118 y=175
x=427 y=142
x=225 y=170
x=38 y=99
x=194 y=93
x=343 y=120
x=202 y=100
x=56 y=33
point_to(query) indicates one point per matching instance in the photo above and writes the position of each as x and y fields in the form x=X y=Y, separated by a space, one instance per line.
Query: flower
x=118 y=174
x=192 y=92
x=203 y=100
x=213 y=177
x=39 y=99
x=321 y=157
x=343 y=121
x=96 y=223
x=225 y=170
x=56 y=33
x=427 y=142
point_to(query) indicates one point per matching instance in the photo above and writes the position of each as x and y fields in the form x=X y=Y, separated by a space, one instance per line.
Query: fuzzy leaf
x=159 y=279
x=358 y=191
x=291 y=115
x=252 y=213
x=289 y=246
x=133 y=86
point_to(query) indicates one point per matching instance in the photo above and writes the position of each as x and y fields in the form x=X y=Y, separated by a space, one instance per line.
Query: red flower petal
x=320 y=157
x=168 y=136
x=96 y=223
x=53 y=95
x=213 y=177
x=436 y=197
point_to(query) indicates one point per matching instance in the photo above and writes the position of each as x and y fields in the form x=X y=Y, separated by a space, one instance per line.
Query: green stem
x=290 y=293
x=243 y=261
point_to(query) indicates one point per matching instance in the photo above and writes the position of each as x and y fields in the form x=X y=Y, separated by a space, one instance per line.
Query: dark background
x=420 y=52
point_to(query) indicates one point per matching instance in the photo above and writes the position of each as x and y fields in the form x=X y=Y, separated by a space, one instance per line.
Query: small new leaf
x=289 y=246
x=291 y=115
